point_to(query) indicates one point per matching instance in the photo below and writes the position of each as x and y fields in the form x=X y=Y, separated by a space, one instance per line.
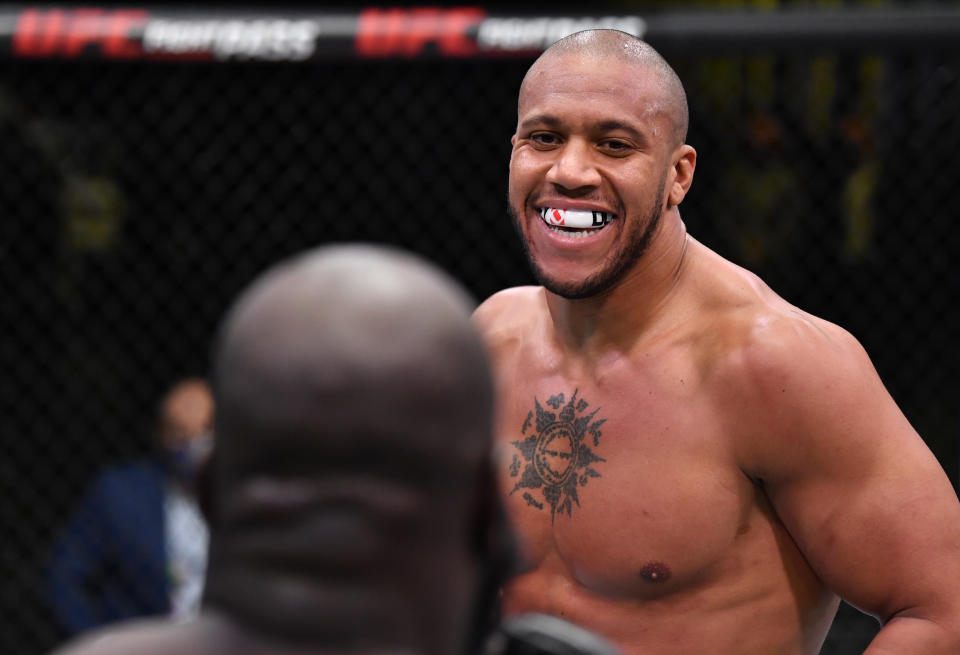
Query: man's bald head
x=354 y=412
x=604 y=44
x=340 y=339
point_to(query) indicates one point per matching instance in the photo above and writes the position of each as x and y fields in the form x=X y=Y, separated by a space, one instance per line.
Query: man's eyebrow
x=540 y=119
x=548 y=120
x=612 y=126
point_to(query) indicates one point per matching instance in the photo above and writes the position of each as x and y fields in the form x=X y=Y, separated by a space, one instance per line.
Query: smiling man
x=692 y=464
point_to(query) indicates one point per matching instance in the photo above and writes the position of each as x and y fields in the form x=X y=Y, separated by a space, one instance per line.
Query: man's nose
x=574 y=167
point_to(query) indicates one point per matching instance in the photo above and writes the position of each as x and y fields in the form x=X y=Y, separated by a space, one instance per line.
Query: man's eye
x=615 y=147
x=543 y=139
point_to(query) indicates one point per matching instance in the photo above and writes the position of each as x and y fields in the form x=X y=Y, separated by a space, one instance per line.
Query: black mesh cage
x=139 y=195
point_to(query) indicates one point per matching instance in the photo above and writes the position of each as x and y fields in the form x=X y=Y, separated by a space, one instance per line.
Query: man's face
x=590 y=136
x=187 y=414
x=186 y=424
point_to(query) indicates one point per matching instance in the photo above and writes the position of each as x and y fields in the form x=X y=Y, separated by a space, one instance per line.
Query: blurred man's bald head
x=354 y=412
x=605 y=43
x=341 y=339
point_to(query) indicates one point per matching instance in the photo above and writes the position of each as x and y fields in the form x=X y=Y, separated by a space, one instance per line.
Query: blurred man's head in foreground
x=351 y=496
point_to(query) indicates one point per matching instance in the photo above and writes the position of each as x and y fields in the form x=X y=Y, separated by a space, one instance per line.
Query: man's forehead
x=596 y=96
x=587 y=74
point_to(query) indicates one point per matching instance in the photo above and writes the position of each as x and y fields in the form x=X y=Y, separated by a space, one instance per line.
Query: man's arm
x=859 y=491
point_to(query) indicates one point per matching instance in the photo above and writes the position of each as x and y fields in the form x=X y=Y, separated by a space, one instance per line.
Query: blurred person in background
x=136 y=543
x=691 y=464
x=350 y=495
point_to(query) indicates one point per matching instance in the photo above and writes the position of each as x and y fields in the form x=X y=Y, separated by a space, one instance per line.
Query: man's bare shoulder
x=786 y=380
x=755 y=336
x=764 y=343
x=509 y=312
x=770 y=350
x=765 y=355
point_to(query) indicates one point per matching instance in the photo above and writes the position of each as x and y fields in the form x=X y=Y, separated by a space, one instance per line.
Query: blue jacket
x=109 y=562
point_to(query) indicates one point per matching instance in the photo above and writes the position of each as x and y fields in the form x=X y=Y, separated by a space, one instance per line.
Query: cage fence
x=139 y=194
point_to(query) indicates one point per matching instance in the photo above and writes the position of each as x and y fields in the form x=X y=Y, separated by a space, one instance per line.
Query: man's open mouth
x=574 y=222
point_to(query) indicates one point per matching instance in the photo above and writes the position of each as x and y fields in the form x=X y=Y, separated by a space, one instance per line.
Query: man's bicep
x=882 y=540
x=862 y=495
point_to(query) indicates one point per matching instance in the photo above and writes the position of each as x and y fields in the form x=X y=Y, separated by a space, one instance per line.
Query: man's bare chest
x=630 y=486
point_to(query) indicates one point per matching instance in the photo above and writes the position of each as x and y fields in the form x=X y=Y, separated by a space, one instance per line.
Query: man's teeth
x=576 y=218
x=575 y=233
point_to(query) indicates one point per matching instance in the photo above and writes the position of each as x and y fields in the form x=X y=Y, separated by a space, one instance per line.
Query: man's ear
x=684 y=163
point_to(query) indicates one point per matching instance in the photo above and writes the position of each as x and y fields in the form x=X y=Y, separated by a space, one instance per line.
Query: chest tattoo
x=554 y=453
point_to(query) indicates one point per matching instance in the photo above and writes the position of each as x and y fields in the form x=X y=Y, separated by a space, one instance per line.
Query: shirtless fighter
x=693 y=465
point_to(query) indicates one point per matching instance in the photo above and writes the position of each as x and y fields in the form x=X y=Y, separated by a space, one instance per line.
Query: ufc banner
x=220 y=35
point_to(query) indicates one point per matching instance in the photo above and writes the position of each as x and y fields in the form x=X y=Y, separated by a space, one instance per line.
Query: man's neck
x=218 y=631
x=312 y=611
x=618 y=317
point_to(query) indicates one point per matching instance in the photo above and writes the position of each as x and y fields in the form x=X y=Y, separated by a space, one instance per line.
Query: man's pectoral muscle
x=553 y=456
x=635 y=521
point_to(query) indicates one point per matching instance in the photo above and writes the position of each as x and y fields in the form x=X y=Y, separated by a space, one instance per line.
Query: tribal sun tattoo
x=556 y=456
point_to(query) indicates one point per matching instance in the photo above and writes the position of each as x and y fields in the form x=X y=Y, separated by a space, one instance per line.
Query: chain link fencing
x=139 y=197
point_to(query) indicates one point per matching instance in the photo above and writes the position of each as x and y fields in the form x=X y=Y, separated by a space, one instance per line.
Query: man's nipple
x=655 y=572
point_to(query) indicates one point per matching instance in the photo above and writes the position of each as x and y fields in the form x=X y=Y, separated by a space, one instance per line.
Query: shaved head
x=605 y=44
x=354 y=414
x=358 y=325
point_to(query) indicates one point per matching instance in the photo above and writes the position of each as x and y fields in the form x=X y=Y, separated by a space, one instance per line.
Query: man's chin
x=571 y=289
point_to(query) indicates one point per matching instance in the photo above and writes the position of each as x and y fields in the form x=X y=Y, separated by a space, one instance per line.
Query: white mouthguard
x=574 y=217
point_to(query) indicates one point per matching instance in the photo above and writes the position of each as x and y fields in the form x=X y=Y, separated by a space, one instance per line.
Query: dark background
x=137 y=199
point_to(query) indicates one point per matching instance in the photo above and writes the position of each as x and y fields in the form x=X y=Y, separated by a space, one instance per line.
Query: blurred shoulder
x=130 y=475
x=209 y=633
x=144 y=637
